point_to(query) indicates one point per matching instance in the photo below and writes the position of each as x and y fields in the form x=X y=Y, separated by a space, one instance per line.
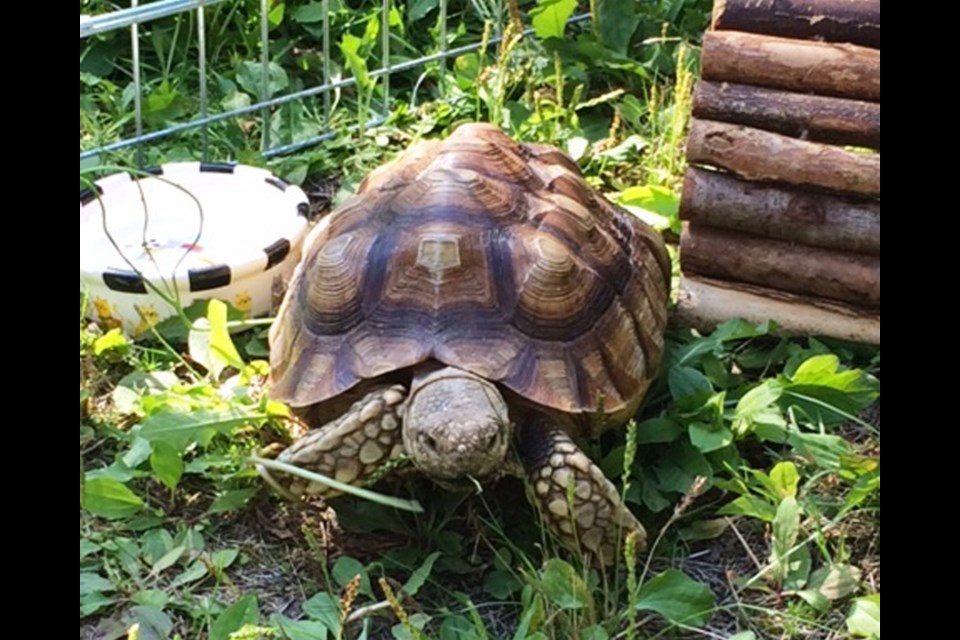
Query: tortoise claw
x=350 y=449
x=577 y=502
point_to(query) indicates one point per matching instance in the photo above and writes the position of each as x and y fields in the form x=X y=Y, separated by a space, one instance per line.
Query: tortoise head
x=456 y=426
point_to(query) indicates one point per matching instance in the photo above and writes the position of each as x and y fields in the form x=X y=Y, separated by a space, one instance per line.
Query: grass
x=754 y=462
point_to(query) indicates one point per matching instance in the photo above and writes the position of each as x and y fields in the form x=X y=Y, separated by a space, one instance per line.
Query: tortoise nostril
x=431 y=442
x=493 y=439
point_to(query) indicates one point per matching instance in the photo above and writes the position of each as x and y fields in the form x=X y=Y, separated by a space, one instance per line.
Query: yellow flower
x=148 y=318
x=242 y=301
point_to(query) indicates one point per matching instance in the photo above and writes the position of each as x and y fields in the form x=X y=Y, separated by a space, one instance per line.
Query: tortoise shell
x=483 y=254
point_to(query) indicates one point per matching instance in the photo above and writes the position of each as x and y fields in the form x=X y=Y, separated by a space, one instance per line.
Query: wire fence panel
x=267 y=105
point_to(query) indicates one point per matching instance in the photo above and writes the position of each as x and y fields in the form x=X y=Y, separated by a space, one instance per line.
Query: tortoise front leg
x=349 y=449
x=577 y=502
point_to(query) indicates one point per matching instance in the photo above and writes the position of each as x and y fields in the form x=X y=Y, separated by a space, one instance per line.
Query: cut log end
x=704 y=303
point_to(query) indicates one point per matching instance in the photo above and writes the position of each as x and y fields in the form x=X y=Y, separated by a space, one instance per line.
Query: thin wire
x=122 y=18
x=265 y=76
x=312 y=91
x=326 y=61
x=202 y=64
x=137 y=90
x=385 y=45
x=443 y=40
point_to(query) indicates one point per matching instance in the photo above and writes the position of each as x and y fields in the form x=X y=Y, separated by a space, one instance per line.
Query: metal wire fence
x=138 y=14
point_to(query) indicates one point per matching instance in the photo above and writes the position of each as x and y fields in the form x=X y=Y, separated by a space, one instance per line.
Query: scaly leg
x=580 y=506
x=349 y=449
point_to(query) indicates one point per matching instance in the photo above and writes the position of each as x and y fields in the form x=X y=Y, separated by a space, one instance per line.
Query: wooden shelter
x=781 y=202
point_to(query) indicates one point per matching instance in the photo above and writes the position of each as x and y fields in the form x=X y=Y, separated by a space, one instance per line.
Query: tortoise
x=475 y=306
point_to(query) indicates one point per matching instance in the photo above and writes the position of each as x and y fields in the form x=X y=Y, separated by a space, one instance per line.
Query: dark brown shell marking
x=487 y=255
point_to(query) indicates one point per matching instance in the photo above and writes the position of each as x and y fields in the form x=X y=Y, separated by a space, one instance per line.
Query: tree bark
x=796 y=215
x=841 y=70
x=704 y=303
x=816 y=118
x=760 y=155
x=853 y=21
x=740 y=257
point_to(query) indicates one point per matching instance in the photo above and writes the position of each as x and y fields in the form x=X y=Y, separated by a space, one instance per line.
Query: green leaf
x=221 y=345
x=501 y=584
x=324 y=608
x=232 y=499
x=679 y=465
x=658 y=430
x=616 y=21
x=457 y=627
x=139 y=451
x=835 y=581
x=550 y=17
x=754 y=404
x=532 y=616
x=708 y=438
x=704 y=529
x=420 y=574
x=93 y=602
x=209 y=341
x=250 y=78
x=785 y=478
x=417 y=621
x=166 y=464
x=113 y=339
x=865 y=486
x=223 y=558
x=743 y=635
x=417 y=9
x=594 y=632
x=829 y=583
x=182 y=429
x=346 y=568
x=826 y=394
x=750 y=506
x=154 y=623
x=825 y=450
x=564 y=586
x=300 y=629
x=864 y=617
x=786 y=529
x=168 y=559
x=108 y=498
x=663 y=203
x=350 y=47
x=677 y=597
x=243 y=611
x=308 y=13
x=87 y=547
x=92 y=583
x=689 y=388
x=275 y=15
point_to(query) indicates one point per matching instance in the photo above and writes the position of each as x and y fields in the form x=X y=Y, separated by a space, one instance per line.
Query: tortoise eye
x=493 y=439
x=430 y=442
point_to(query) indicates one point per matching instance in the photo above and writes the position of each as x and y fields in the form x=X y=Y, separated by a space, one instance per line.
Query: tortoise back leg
x=349 y=449
x=577 y=502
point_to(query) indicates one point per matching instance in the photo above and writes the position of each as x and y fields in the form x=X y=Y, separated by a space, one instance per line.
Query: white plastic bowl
x=194 y=231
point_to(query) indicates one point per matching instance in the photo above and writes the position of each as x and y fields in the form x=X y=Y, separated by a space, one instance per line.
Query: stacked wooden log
x=782 y=198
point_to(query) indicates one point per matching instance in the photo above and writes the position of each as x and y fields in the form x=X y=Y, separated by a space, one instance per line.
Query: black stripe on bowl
x=276 y=182
x=216 y=167
x=89 y=195
x=154 y=171
x=303 y=209
x=276 y=252
x=209 y=277
x=125 y=281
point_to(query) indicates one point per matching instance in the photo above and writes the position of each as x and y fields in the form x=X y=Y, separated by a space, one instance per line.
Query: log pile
x=781 y=202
